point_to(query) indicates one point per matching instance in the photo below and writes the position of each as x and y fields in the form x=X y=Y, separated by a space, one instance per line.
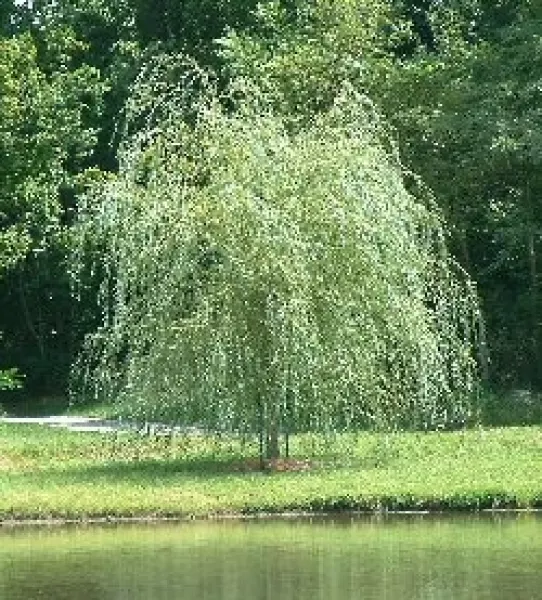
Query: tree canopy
x=260 y=274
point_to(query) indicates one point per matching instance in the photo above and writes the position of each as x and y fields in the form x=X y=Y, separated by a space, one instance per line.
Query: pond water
x=394 y=558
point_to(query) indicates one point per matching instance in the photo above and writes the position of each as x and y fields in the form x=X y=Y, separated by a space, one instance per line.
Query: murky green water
x=395 y=558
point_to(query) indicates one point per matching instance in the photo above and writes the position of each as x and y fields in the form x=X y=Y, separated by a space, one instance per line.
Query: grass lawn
x=52 y=473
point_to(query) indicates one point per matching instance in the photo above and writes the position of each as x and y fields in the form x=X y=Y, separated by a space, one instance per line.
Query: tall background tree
x=466 y=116
x=45 y=137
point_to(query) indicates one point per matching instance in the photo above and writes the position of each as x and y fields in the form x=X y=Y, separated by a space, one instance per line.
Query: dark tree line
x=458 y=80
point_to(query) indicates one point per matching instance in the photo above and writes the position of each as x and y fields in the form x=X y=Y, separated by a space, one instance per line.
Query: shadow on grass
x=167 y=469
x=157 y=469
x=153 y=470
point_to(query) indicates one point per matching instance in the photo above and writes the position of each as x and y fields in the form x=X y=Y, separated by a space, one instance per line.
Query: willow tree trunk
x=272 y=450
x=269 y=407
x=269 y=432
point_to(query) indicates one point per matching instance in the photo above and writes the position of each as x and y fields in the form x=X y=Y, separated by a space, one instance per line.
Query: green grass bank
x=56 y=474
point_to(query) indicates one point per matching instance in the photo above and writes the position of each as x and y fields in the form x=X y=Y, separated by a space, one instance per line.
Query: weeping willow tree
x=267 y=279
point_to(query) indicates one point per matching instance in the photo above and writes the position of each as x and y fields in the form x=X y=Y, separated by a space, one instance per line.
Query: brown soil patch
x=275 y=465
x=7 y=464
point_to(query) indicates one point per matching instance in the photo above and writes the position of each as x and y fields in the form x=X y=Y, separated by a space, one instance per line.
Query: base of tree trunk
x=275 y=465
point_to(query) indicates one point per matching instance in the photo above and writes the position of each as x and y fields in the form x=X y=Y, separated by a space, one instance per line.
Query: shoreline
x=256 y=516
x=50 y=475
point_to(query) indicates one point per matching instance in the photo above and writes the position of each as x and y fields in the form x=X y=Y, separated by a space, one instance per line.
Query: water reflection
x=414 y=557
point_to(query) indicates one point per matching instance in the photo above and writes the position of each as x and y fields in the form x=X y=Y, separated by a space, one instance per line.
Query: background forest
x=458 y=81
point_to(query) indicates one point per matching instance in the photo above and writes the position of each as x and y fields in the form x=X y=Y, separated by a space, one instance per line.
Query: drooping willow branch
x=257 y=273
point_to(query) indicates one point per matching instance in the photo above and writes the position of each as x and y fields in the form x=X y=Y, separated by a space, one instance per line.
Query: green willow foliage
x=261 y=278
